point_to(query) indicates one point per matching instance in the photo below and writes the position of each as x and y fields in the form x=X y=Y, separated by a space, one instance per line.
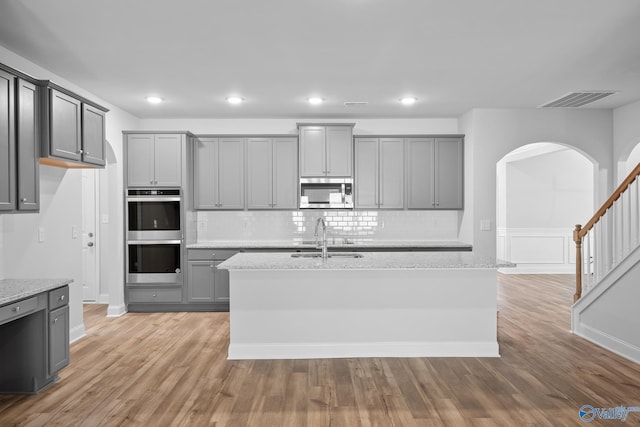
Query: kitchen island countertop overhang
x=381 y=305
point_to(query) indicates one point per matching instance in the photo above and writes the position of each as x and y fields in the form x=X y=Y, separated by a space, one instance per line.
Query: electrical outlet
x=74 y=231
x=41 y=234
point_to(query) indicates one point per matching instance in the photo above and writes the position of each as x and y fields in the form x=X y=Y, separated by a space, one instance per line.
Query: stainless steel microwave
x=326 y=193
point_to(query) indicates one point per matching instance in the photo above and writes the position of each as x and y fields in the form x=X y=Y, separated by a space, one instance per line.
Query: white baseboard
x=611 y=343
x=77 y=333
x=116 y=310
x=374 y=349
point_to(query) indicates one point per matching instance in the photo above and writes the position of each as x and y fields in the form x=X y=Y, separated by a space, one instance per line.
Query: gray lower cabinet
x=205 y=282
x=58 y=339
x=35 y=333
x=272 y=173
x=154 y=160
x=435 y=173
x=379 y=173
x=153 y=294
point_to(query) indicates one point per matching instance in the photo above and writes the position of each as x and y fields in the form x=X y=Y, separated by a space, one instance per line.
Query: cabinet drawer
x=210 y=254
x=58 y=297
x=18 y=309
x=155 y=295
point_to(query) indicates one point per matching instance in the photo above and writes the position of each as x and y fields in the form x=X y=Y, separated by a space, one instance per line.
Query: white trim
x=609 y=342
x=77 y=333
x=116 y=310
x=369 y=349
x=103 y=299
x=564 y=264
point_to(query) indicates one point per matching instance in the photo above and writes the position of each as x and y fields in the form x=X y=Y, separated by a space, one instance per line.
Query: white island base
x=338 y=313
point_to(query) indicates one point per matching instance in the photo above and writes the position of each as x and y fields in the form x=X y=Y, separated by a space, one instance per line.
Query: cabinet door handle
x=55 y=320
x=23 y=200
x=61 y=298
x=16 y=309
x=151 y=182
x=211 y=266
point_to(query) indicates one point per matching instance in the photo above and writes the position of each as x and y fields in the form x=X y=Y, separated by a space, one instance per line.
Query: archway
x=543 y=190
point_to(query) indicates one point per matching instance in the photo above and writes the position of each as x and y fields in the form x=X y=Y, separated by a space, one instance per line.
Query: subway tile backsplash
x=284 y=225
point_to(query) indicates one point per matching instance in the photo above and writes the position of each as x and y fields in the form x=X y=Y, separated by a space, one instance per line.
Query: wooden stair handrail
x=615 y=196
x=579 y=232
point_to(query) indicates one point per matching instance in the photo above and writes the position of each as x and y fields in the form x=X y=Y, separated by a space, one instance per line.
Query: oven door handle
x=153 y=199
x=154 y=242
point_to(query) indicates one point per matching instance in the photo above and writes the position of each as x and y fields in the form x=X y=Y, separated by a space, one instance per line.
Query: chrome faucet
x=324 y=236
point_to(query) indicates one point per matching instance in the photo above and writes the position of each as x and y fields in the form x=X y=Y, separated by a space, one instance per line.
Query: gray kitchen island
x=382 y=304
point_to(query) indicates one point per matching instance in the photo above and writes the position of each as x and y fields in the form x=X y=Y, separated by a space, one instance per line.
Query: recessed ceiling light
x=315 y=100
x=154 y=99
x=409 y=100
x=235 y=99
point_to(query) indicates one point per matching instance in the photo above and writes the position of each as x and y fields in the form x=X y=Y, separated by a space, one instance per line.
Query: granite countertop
x=338 y=243
x=16 y=289
x=369 y=261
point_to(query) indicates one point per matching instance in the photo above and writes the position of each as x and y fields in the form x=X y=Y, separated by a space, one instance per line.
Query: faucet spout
x=325 y=252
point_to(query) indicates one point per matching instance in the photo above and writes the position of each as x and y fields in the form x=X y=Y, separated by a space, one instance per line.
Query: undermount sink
x=331 y=255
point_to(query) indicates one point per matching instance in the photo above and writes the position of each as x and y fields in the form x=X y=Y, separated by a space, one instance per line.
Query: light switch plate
x=41 y=234
x=74 y=231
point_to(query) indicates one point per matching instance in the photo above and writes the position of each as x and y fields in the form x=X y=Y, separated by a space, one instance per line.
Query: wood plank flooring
x=170 y=369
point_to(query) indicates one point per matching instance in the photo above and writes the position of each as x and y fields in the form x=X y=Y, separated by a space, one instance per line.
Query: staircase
x=606 y=307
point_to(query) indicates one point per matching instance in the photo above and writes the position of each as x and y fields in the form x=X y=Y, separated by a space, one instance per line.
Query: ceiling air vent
x=355 y=103
x=577 y=99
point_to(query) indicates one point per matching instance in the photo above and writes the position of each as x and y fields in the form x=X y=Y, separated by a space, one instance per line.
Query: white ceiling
x=453 y=55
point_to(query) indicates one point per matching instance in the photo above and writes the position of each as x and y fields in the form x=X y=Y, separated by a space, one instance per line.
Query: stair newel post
x=578 y=240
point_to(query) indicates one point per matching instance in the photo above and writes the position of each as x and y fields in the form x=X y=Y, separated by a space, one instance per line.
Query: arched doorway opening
x=543 y=190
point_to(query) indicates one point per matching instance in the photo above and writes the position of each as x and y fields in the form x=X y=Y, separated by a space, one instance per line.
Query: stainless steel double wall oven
x=154 y=236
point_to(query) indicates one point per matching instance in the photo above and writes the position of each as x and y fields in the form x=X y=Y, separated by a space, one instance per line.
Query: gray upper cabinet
x=154 y=160
x=339 y=150
x=391 y=173
x=435 y=173
x=326 y=150
x=65 y=137
x=449 y=173
x=367 y=173
x=7 y=142
x=272 y=173
x=73 y=129
x=28 y=146
x=19 y=144
x=219 y=173
x=379 y=173
x=93 y=135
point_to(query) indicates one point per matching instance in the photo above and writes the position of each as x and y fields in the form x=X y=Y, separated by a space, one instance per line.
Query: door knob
x=90 y=244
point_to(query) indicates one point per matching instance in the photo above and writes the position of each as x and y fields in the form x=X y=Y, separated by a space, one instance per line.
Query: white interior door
x=90 y=249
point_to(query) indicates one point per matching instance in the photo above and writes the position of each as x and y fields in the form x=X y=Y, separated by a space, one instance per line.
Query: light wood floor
x=171 y=369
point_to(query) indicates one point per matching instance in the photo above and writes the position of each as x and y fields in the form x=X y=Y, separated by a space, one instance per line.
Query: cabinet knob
x=61 y=298
x=86 y=153
x=154 y=295
x=213 y=254
x=16 y=309
x=23 y=200
x=55 y=320
x=211 y=266
x=151 y=182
